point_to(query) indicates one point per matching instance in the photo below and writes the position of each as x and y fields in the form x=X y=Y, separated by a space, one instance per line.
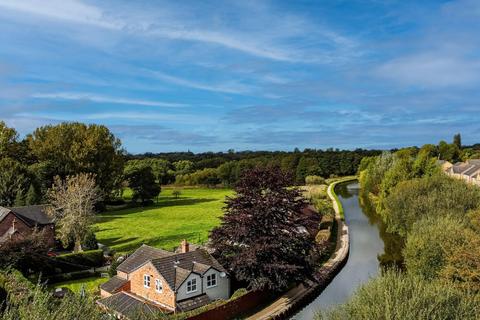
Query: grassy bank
x=337 y=200
x=164 y=224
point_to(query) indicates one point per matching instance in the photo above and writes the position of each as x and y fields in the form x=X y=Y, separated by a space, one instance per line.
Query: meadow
x=165 y=223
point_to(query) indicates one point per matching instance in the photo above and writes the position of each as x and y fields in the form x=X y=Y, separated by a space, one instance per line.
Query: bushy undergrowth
x=398 y=296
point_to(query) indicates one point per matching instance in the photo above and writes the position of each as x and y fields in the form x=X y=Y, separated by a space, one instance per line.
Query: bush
x=323 y=236
x=398 y=296
x=314 y=180
x=87 y=259
x=90 y=241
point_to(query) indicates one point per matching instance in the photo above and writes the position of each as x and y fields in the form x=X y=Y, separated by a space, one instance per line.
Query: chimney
x=14 y=221
x=185 y=246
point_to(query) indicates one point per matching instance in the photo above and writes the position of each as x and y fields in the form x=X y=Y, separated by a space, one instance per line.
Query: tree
x=71 y=203
x=258 y=238
x=314 y=180
x=8 y=139
x=449 y=152
x=457 y=140
x=32 y=196
x=14 y=180
x=430 y=242
x=183 y=167
x=434 y=196
x=143 y=183
x=73 y=148
x=176 y=193
x=394 y=295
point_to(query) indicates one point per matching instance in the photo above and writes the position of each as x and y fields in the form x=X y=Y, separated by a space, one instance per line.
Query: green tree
x=14 y=180
x=432 y=196
x=394 y=295
x=8 y=140
x=32 y=196
x=449 y=152
x=430 y=242
x=73 y=148
x=457 y=140
x=143 y=183
x=183 y=167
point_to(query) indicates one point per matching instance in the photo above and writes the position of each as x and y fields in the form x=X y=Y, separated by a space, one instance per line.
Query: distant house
x=468 y=171
x=17 y=223
x=155 y=280
x=445 y=165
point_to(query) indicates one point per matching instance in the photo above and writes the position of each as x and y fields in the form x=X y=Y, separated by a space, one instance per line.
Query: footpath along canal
x=368 y=243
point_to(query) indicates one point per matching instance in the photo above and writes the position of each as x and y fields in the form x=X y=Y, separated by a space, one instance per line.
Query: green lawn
x=165 y=224
x=91 y=284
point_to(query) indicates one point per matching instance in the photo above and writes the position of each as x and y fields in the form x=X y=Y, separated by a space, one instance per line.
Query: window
x=146 y=281
x=158 y=285
x=192 y=286
x=212 y=280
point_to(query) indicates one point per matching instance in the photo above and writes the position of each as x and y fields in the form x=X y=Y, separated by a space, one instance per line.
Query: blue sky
x=259 y=75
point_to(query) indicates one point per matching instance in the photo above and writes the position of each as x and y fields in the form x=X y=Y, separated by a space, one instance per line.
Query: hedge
x=82 y=260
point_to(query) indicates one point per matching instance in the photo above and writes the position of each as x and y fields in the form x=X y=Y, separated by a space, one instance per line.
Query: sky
x=245 y=75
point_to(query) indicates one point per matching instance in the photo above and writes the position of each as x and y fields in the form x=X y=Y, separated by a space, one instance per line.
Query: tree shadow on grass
x=113 y=215
x=166 y=242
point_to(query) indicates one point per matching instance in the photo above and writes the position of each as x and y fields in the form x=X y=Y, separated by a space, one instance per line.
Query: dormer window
x=192 y=286
x=158 y=286
x=146 y=281
x=212 y=280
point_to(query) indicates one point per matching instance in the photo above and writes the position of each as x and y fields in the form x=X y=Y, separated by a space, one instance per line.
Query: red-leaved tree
x=260 y=238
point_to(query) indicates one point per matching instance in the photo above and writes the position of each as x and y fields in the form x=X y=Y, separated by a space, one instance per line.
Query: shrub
x=314 y=180
x=399 y=296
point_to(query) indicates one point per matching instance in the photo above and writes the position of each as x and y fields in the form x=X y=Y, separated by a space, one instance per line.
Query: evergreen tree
x=32 y=197
x=20 y=198
x=457 y=140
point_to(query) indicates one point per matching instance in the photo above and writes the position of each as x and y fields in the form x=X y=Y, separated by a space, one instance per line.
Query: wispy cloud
x=105 y=99
x=229 y=87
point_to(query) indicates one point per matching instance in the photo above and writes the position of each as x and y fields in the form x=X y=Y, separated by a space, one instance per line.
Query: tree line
x=28 y=166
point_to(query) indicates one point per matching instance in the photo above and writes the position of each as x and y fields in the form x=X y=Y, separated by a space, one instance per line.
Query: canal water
x=370 y=247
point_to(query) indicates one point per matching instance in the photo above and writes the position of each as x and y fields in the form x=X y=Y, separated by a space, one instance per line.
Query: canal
x=370 y=247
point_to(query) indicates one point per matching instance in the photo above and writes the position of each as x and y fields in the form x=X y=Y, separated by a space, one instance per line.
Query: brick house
x=16 y=223
x=155 y=280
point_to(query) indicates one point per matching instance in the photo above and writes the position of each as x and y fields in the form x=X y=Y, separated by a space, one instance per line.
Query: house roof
x=460 y=167
x=193 y=303
x=471 y=170
x=112 y=285
x=140 y=256
x=129 y=305
x=31 y=215
x=175 y=269
x=474 y=161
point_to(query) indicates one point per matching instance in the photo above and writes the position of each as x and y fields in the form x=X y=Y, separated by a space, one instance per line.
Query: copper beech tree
x=260 y=237
x=72 y=204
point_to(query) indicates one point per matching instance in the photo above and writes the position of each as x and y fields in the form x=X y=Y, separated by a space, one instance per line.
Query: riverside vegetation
x=438 y=219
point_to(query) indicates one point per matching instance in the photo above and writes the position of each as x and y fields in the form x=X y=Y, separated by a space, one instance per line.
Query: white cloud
x=105 y=99
x=432 y=69
x=229 y=87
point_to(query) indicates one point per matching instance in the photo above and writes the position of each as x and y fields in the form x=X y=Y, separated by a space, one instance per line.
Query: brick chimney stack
x=185 y=246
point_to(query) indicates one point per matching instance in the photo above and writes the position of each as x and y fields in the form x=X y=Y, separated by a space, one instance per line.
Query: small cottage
x=156 y=280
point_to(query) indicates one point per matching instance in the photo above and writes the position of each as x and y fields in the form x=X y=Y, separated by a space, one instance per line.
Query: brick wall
x=234 y=309
x=48 y=230
x=165 y=298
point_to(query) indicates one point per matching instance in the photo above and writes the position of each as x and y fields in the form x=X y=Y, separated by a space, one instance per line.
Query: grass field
x=91 y=284
x=166 y=223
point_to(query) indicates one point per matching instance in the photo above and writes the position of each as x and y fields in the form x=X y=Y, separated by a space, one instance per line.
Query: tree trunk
x=78 y=246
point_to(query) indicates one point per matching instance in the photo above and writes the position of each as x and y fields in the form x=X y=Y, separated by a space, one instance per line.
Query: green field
x=91 y=284
x=165 y=223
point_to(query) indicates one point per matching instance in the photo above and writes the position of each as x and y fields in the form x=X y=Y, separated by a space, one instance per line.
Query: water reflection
x=371 y=247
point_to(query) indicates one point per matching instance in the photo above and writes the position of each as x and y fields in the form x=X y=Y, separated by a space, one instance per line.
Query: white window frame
x=213 y=280
x=192 y=285
x=158 y=285
x=146 y=281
